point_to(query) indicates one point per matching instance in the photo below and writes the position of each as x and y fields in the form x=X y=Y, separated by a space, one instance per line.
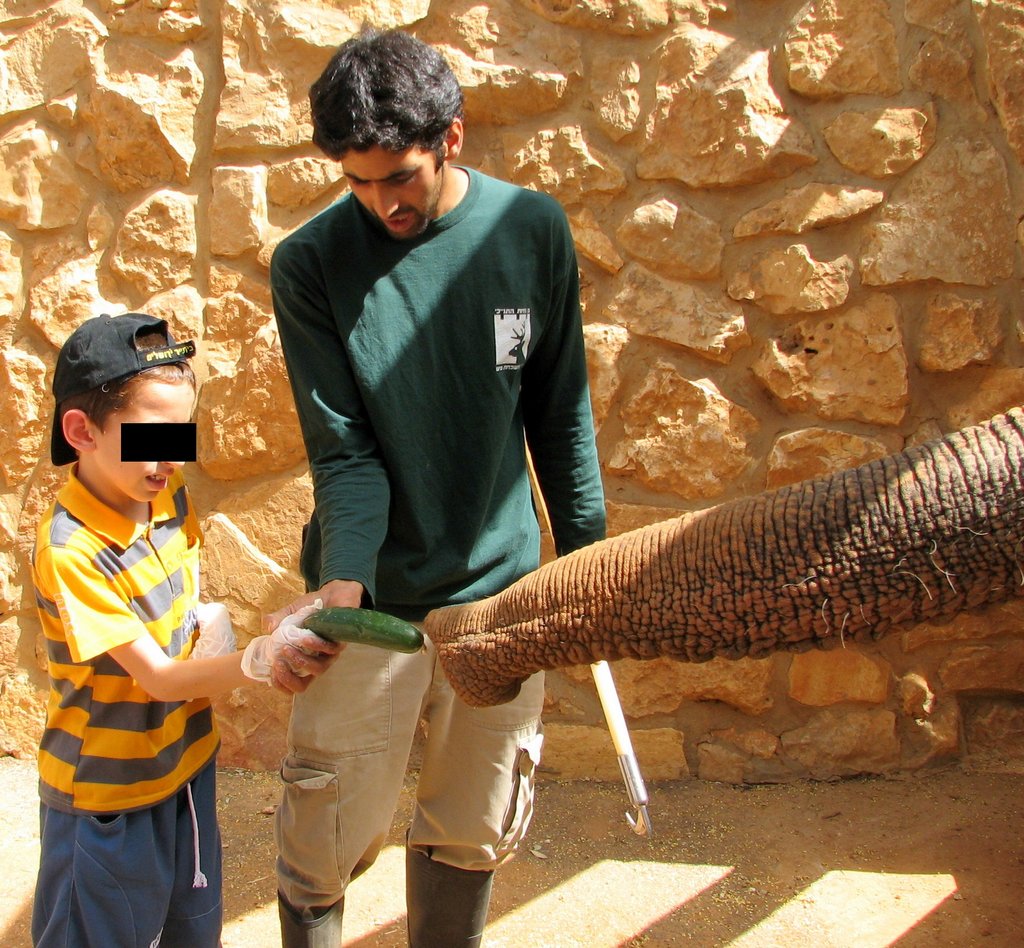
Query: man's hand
x=293 y=670
x=338 y=592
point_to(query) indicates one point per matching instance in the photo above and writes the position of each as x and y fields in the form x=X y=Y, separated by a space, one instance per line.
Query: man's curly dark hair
x=384 y=88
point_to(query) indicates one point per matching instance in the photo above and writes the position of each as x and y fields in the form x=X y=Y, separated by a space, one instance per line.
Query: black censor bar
x=158 y=441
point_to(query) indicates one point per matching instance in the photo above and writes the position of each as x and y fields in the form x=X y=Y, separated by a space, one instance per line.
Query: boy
x=130 y=850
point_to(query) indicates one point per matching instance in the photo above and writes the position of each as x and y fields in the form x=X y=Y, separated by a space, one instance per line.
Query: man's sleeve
x=349 y=482
x=557 y=413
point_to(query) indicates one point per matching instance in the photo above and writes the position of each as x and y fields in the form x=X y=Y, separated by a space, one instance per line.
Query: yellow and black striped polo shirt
x=102 y=580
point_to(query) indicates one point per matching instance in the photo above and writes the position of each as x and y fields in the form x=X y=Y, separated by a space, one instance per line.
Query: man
x=431 y=327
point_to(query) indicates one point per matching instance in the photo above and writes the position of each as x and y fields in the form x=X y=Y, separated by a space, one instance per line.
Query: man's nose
x=385 y=199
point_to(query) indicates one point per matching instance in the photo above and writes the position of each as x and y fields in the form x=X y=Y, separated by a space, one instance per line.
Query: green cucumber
x=366 y=627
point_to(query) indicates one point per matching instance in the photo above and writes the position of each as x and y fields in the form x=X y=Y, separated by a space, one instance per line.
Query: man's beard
x=422 y=218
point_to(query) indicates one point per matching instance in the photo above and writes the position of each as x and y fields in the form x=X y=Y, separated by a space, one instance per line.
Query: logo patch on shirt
x=511 y=338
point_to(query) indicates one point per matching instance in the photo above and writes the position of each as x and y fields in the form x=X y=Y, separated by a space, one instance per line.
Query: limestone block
x=235 y=573
x=22 y=713
x=272 y=53
x=848 y=366
x=582 y=752
x=46 y=53
x=562 y=163
x=840 y=674
x=940 y=16
x=592 y=242
x=814 y=452
x=734 y=756
x=253 y=723
x=998 y=390
x=39 y=189
x=843 y=47
x=10 y=632
x=812 y=206
x=25 y=408
x=141 y=117
x=383 y=14
x=173 y=20
x=917 y=700
x=924 y=740
x=604 y=346
x=673 y=240
x=63 y=110
x=994 y=730
x=792 y=281
x=505 y=93
x=247 y=424
x=661 y=686
x=300 y=181
x=272 y=514
x=958 y=331
x=616 y=95
x=12 y=284
x=963 y=180
x=183 y=308
x=717 y=122
x=99 y=228
x=985 y=668
x=155 y=247
x=238 y=210
x=625 y=517
x=10 y=588
x=237 y=308
x=65 y=292
x=683 y=437
x=1003 y=621
x=944 y=69
x=628 y=17
x=843 y=743
x=1002 y=23
x=883 y=141
x=685 y=315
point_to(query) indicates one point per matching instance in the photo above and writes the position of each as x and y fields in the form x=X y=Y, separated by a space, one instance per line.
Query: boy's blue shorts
x=126 y=879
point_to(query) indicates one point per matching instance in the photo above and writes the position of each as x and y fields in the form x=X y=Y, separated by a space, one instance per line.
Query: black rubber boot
x=320 y=928
x=447 y=906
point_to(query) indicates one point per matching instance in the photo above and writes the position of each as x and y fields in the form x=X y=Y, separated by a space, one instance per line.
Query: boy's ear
x=78 y=430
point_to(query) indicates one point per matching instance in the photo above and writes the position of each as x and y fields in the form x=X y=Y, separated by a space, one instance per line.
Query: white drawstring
x=198 y=880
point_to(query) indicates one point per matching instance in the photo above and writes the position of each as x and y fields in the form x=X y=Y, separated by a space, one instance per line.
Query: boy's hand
x=216 y=635
x=290 y=657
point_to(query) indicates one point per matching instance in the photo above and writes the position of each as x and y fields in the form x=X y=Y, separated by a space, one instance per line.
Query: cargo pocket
x=520 y=804
x=308 y=839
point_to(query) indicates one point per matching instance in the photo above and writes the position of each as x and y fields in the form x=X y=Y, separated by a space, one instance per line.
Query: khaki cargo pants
x=349 y=741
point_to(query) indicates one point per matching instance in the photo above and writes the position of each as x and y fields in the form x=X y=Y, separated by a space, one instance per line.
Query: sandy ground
x=925 y=860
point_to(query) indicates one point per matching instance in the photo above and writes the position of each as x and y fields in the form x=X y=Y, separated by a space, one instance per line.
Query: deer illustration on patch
x=511 y=338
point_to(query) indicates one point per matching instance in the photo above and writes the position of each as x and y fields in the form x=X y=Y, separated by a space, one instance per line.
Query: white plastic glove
x=216 y=636
x=260 y=653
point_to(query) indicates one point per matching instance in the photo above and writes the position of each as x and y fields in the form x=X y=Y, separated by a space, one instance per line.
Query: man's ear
x=78 y=430
x=453 y=140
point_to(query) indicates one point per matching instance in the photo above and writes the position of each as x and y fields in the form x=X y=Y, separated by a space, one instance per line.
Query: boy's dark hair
x=102 y=364
x=387 y=89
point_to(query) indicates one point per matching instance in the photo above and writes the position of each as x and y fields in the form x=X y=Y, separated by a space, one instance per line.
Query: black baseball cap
x=103 y=350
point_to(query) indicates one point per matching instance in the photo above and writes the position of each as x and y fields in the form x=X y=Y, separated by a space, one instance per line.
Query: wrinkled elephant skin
x=922 y=535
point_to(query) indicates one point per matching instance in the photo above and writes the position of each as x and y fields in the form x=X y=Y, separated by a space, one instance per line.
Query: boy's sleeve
x=96 y=618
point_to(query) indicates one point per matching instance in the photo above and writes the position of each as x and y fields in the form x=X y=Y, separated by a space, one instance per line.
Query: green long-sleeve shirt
x=420 y=371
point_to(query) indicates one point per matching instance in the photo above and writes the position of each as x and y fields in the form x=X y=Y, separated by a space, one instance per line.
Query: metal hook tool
x=641 y=822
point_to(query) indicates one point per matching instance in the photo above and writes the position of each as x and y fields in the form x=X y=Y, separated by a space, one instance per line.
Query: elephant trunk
x=922 y=535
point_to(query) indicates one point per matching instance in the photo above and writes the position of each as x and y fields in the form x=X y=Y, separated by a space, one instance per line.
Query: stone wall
x=798 y=232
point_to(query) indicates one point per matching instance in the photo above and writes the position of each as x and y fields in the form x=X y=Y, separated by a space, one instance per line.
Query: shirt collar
x=76 y=498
